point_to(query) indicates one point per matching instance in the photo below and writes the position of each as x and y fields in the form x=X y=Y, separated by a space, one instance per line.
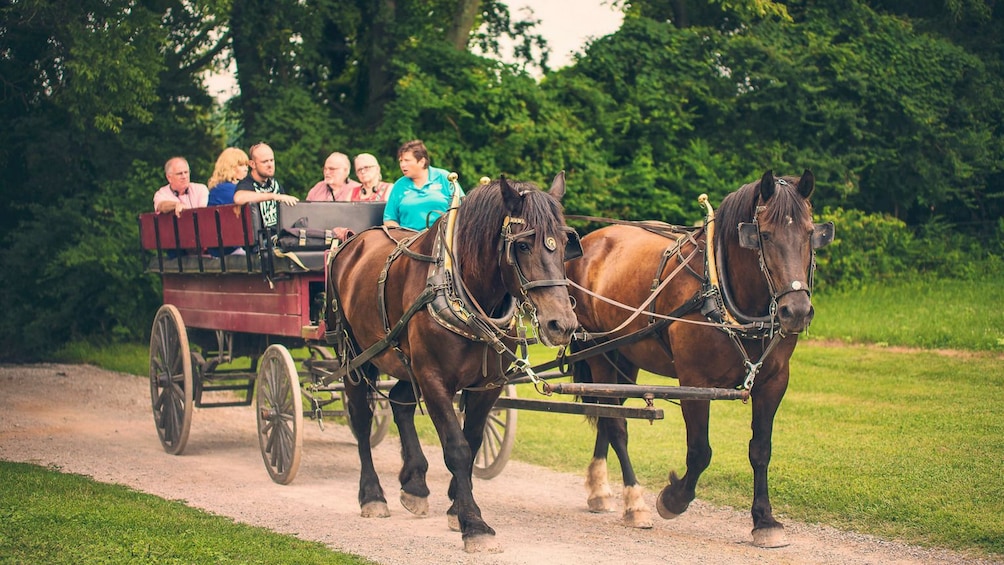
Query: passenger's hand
x=287 y=199
x=178 y=208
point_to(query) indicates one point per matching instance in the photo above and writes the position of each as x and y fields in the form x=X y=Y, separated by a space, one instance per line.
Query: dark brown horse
x=440 y=323
x=764 y=241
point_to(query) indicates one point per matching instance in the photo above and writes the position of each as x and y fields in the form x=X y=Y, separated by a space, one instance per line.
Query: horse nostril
x=784 y=312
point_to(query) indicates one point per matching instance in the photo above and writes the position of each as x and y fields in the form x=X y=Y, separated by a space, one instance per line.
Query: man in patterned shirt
x=261 y=187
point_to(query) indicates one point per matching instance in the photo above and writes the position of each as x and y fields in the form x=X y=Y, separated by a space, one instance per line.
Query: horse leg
x=478 y=536
x=675 y=497
x=477 y=407
x=599 y=497
x=613 y=433
x=767 y=532
x=371 y=498
x=414 y=489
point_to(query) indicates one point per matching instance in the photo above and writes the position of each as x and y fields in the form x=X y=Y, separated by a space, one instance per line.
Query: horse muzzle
x=795 y=311
x=556 y=322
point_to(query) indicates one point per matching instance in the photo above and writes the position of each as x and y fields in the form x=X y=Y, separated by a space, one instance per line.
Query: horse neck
x=481 y=274
x=747 y=285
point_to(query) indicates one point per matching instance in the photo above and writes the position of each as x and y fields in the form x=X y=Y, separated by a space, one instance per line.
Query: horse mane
x=738 y=207
x=479 y=222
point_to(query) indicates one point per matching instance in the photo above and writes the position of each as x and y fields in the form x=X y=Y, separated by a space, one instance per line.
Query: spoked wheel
x=280 y=414
x=381 y=416
x=171 y=388
x=497 y=440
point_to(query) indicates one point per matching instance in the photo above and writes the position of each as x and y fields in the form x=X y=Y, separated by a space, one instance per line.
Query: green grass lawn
x=54 y=518
x=904 y=444
x=926 y=313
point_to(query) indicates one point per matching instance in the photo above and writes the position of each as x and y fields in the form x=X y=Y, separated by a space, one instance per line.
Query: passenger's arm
x=249 y=196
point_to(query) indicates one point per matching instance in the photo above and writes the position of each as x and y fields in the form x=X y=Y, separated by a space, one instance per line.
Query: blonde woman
x=231 y=166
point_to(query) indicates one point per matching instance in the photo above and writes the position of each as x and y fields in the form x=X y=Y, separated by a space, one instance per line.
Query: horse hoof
x=453 y=522
x=417 y=505
x=601 y=504
x=664 y=512
x=375 y=510
x=770 y=537
x=636 y=512
x=482 y=543
x=640 y=518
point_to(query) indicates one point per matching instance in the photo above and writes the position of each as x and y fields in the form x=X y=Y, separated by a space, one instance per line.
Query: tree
x=97 y=95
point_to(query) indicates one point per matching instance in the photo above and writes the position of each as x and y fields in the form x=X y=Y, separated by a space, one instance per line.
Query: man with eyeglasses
x=336 y=185
x=261 y=187
x=180 y=193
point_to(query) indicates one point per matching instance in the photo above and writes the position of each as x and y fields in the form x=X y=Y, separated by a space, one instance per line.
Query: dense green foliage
x=49 y=517
x=892 y=104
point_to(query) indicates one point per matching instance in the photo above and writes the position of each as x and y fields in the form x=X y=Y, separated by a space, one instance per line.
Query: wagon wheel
x=171 y=388
x=497 y=441
x=381 y=416
x=280 y=414
x=380 y=406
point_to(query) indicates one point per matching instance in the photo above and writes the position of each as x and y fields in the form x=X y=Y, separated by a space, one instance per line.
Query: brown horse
x=764 y=244
x=440 y=313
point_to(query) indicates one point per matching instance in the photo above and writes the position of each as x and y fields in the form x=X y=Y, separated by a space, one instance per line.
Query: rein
x=718 y=306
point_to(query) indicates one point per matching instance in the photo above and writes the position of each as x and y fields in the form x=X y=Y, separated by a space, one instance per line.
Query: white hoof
x=482 y=543
x=639 y=518
x=417 y=505
x=770 y=537
x=601 y=504
x=375 y=510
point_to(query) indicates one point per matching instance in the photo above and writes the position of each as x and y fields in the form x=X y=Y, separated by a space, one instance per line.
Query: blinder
x=573 y=247
x=749 y=235
x=822 y=235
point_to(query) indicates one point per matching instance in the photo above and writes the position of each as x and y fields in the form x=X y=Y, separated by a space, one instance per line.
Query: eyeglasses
x=366 y=168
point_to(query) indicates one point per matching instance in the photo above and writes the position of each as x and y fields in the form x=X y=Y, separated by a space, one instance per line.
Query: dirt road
x=84 y=420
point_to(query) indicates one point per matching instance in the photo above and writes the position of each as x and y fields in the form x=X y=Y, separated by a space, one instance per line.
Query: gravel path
x=98 y=423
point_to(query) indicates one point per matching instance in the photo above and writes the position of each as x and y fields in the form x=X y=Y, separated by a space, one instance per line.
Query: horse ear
x=510 y=196
x=558 y=186
x=767 y=185
x=807 y=183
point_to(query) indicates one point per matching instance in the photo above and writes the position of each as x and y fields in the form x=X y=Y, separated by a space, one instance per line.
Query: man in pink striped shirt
x=180 y=193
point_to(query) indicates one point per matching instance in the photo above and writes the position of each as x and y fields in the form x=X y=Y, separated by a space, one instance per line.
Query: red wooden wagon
x=232 y=291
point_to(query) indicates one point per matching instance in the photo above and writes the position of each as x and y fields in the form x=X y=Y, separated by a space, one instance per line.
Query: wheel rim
x=381 y=416
x=171 y=390
x=280 y=414
x=497 y=440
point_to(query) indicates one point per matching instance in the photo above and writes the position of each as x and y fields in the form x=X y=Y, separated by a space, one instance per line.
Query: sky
x=566 y=24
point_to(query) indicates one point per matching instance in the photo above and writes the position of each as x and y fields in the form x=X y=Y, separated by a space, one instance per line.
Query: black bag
x=299 y=237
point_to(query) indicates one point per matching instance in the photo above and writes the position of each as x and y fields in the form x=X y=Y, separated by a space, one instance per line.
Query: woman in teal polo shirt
x=422 y=194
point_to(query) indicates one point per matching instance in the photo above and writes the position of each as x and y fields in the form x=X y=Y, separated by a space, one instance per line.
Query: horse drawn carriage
x=448 y=312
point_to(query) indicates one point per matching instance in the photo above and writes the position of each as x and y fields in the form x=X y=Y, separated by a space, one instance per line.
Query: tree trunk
x=464 y=15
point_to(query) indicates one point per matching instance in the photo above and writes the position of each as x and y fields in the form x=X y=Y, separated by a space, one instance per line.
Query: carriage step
x=591 y=410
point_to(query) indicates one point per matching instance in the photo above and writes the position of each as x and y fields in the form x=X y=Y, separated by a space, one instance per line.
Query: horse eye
x=523 y=247
x=765 y=235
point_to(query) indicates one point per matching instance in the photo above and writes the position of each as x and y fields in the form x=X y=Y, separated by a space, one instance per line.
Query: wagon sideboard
x=261 y=288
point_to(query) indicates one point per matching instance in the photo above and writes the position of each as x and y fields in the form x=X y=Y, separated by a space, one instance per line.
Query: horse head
x=782 y=233
x=532 y=244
